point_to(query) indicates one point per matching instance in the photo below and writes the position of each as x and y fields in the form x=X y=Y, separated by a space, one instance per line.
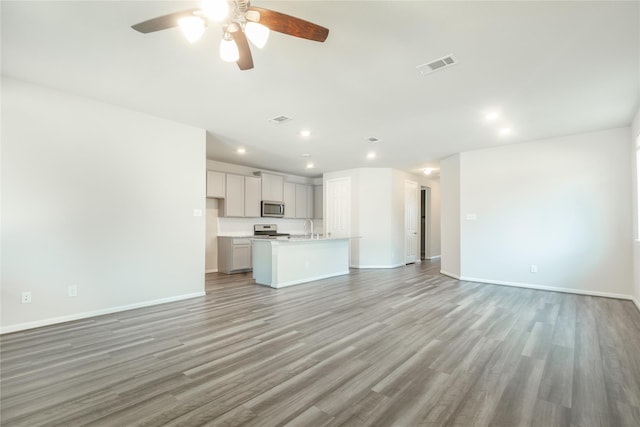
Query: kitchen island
x=285 y=262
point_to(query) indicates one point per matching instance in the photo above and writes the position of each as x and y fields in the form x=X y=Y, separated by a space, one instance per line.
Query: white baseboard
x=433 y=257
x=213 y=270
x=87 y=314
x=310 y=279
x=377 y=266
x=545 y=288
x=446 y=273
x=636 y=302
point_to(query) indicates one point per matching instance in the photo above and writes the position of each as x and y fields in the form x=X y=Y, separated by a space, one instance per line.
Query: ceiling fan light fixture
x=257 y=34
x=192 y=27
x=229 y=49
x=216 y=10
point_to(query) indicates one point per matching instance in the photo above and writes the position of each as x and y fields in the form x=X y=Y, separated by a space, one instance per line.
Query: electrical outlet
x=26 y=297
x=534 y=268
x=72 y=291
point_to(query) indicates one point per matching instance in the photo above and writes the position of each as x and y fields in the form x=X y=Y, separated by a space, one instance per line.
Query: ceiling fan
x=240 y=21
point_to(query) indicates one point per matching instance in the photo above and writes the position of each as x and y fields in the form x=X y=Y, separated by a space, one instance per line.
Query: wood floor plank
x=517 y=403
x=404 y=347
x=590 y=404
x=557 y=377
x=546 y=414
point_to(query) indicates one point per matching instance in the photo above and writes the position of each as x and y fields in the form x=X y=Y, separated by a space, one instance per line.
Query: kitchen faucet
x=305 y=226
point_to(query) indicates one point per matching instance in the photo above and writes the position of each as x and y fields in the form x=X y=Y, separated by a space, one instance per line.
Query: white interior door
x=411 y=197
x=338 y=207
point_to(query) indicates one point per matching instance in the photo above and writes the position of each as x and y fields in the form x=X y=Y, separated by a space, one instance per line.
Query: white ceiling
x=551 y=68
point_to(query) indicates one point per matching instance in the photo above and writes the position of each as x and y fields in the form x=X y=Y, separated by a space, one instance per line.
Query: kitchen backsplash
x=244 y=226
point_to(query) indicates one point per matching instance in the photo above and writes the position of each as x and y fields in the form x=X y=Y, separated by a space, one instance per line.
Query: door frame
x=411 y=215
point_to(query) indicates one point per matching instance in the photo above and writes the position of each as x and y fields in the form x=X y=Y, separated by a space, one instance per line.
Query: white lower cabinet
x=234 y=254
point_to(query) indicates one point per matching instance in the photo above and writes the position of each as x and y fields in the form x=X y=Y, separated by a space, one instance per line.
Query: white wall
x=450 y=216
x=635 y=136
x=562 y=204
x=99 y=197
x=434 y=249
x=377 y=219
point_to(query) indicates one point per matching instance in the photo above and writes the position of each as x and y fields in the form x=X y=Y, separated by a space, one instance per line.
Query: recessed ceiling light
x=505 y=131
x=371 y=155
x=305 y=133
x=310 y=165
x=241 y=150
x=491 y=115
x=427 y=171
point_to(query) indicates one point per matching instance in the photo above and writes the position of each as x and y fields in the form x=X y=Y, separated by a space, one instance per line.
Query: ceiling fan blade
x=162 y=22
x=287 y=24
x=245 y=62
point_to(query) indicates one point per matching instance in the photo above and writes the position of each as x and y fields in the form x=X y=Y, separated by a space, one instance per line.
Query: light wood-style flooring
x=401 y=347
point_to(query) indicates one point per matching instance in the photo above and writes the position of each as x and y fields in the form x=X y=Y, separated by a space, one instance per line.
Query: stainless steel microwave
x=272 y=209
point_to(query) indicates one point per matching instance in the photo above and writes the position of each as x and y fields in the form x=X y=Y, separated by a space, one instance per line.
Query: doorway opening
x=425 y=222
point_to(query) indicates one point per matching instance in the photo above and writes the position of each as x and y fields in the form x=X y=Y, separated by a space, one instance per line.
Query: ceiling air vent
x=373 y=139
x=436 y=65
x=280 y=119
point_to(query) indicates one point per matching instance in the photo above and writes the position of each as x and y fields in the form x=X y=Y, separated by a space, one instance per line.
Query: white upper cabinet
x=234 y=201
x=289 y=200
x=272 y=187
x=252 y=195
x=215 y=184
x=302 y=201
x=310 y=204
x=242 y=196
x=298 y=200
x=317 y=201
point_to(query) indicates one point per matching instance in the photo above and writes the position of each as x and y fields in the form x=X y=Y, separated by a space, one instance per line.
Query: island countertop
x=303 y=239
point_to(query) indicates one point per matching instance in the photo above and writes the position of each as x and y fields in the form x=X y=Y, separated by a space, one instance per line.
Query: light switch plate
x=197 y=212
x=471 y=217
